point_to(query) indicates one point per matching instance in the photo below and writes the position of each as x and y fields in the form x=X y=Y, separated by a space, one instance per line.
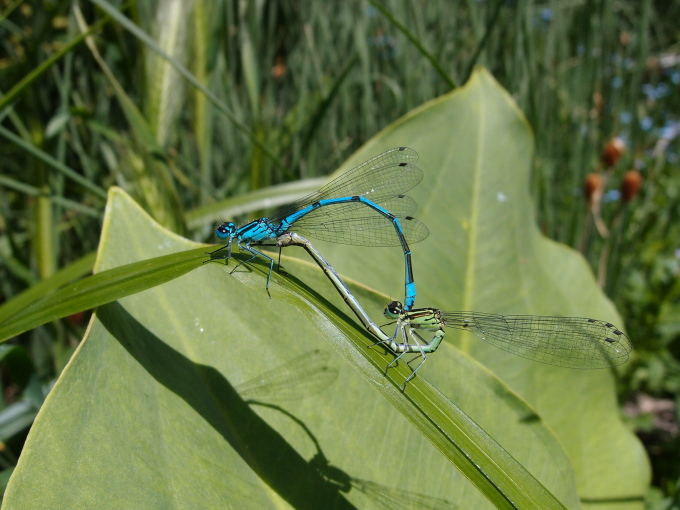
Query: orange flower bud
x=592 y=186
x=76 y=319
x=598 y=105
x=632 y=181
x=279 y=68
x=612 y=152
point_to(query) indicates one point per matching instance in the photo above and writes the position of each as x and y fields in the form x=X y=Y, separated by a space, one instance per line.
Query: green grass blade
x=416 y=42
x=485 y=38
x=52 y=162
x=15 y=418
x=27 y=80
x=263 y=198
x=320 y=113
x=57 y=199
x=8 y=9
x=43 y=239
x=147 y=40
x=36 y=292
x=165 y=91
x=152 y=179
x=134 y=116
x=102 y=288
x=202 y=119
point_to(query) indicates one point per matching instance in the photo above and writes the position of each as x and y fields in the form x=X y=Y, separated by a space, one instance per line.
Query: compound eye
x=393 y=310
x=395 y=307
x=225 y=229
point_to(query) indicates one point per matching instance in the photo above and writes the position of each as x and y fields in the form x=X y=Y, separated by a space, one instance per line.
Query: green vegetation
x=208 y=110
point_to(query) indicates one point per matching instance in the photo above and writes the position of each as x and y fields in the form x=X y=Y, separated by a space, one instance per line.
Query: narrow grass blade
x=102 y=288
x=15 y=91
x=38 y=291
x=52 y=162
x=263 y=198
x=146 y=39
x=57 y=199
x=415 y=42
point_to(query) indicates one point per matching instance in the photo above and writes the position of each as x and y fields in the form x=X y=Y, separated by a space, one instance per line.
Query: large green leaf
x=485 y=254
x=153 y=392
x=148 y=411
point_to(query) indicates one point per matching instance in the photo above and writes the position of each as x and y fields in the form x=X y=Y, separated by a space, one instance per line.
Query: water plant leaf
x=156 y=383
x=486 y=254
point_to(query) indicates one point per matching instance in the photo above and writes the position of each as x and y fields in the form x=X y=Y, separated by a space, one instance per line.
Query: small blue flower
x=617 y=82
x=611 y=196
x=649 y=90
x=546 y=14
x=675 y=77
x=646 y=124
x=662 y=90
x=626 y=117
x=670 y=130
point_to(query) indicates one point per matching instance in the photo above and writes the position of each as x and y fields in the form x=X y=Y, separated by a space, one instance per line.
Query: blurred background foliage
x=200 y=109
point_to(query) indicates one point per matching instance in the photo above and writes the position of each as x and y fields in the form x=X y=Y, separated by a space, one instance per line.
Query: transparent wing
x=359 y=225
x=381 y=496
x=401 y=205
x=382 y=177
x=572 y=342
x=298 y=378
x=393 y=498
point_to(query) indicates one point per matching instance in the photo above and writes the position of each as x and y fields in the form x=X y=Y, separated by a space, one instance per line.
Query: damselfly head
x=225 y=230
x=393 y=310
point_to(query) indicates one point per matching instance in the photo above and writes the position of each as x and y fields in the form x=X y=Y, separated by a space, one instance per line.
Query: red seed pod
x=76 y=319
x=598 y=105
x=592 y=186
x=630 y=187
x=279 y=68
x=612 y=152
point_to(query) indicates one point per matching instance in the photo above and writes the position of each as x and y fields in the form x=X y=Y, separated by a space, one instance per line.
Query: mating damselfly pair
x=366 y=206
